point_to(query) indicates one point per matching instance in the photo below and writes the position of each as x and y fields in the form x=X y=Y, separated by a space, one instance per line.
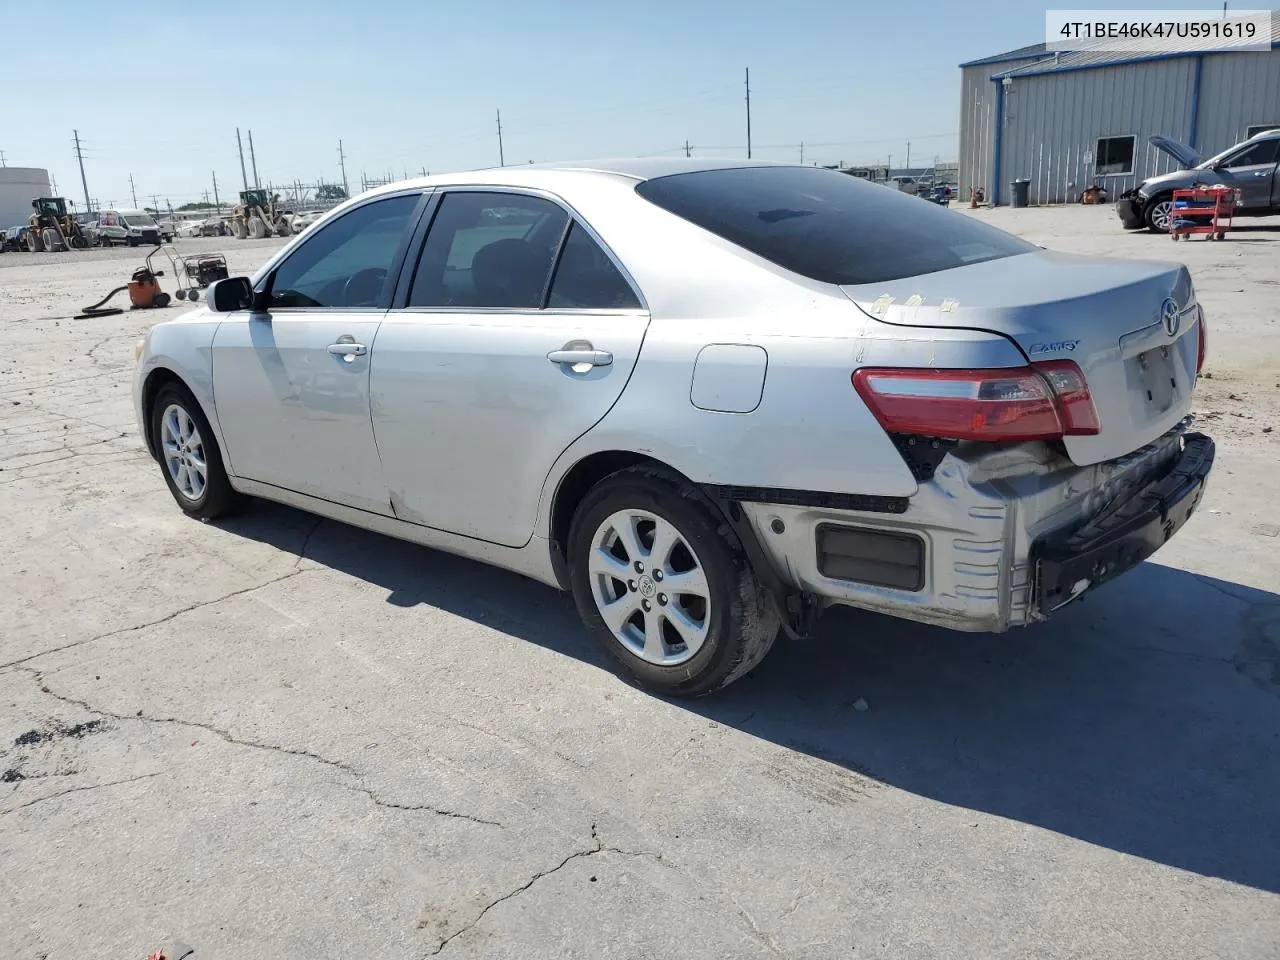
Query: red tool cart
x=1206 y=210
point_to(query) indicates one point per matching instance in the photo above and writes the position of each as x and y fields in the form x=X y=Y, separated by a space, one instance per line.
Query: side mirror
x=227 y=296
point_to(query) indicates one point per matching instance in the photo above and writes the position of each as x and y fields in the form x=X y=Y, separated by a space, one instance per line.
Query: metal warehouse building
x=1065 y=121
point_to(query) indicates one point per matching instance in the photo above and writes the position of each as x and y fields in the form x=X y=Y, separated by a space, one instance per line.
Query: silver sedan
x=709 y=399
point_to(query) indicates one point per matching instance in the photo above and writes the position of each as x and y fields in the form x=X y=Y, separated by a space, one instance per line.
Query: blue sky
x=158 y=89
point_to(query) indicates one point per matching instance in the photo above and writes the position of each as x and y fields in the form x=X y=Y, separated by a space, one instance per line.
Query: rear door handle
x=573 y=357
x=348 y=351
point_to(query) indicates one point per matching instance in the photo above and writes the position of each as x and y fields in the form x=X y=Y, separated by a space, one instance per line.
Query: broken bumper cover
x=1129 y=209
x=1066 y=566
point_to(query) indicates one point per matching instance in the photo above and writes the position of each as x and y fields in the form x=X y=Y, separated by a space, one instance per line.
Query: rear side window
x=587 y=279
x=489 y=250
x=829 y=226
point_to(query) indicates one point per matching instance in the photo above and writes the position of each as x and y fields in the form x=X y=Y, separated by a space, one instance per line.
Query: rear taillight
x=1044 y=401
x=1201 y=346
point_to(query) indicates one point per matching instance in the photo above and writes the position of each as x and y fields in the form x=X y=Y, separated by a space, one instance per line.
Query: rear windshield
x=829 y=226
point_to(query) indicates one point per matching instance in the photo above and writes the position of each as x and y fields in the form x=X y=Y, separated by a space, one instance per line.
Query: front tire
x=190 y=460
x=663 y=584
x=1157 y=214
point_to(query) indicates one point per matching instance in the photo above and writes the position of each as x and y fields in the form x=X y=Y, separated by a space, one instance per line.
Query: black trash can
x=1021 y=192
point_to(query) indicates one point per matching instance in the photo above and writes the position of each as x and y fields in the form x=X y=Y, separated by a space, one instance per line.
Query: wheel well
x=582 y=476
x=156 y=380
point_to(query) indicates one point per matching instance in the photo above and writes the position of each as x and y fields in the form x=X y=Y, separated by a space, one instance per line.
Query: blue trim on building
x=1194 y=125
x=1098 y=65
x=1035 y=51
x=997 y=139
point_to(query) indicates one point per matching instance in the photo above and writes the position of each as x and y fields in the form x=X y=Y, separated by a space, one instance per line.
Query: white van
x=132 y=227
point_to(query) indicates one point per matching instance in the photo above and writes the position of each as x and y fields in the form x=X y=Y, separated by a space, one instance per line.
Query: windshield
x=829 y=226
x=139 y=220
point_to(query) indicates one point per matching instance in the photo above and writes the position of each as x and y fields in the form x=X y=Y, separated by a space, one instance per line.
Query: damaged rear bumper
x=998 y=538
x=1119 y=539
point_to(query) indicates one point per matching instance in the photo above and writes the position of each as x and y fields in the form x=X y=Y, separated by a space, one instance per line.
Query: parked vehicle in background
x=707 y=398
x=127 y=227
x=302 y=221
x=168 y=229
x=11 y=240
x=1250 y=166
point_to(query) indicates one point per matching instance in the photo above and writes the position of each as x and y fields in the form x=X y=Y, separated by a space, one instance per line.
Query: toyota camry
x=709 y=399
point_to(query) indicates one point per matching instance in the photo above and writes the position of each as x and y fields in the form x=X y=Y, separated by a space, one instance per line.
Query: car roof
x=543 y=174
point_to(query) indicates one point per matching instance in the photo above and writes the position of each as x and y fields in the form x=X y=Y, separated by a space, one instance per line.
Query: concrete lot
x=283 y=738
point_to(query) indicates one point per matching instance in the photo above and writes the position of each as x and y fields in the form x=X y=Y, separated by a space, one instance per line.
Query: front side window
x=489 y=250
x=1260 y=128
x=1264 y=151
x=1114 y=155
x=345 y=264
x=829 y=226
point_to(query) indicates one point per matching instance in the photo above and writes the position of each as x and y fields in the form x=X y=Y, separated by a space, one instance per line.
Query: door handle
x=581 y=355
x=348 y=351
x=1261 y=173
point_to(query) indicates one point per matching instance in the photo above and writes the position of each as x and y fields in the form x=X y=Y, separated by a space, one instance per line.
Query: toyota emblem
x=1170 y=317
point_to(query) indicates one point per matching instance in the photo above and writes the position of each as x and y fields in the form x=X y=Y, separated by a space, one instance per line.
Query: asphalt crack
x=70 y=790
x=306 y=542
x=151 y=623
x=228 y=737
x=598 y=846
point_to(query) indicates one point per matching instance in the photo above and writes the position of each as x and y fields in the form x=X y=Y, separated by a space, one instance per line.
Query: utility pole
x=748 y=113
x=502 y=160
x=83 y=182
x=686 y=149
x=132 y=192
x=802 y=153
x=244 y=177
x=908 y=154
x=424 y=171
x=342 y=162
x=254 y=160
x=2 y=160
x=216 y=202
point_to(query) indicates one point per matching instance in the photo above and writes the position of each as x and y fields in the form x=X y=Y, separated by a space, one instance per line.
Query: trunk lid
x=1112 y=317
x=1180 y=152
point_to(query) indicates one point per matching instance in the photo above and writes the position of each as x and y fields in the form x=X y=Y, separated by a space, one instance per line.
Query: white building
x=18 y=187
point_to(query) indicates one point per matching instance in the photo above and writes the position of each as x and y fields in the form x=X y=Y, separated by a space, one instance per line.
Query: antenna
x=748 y=113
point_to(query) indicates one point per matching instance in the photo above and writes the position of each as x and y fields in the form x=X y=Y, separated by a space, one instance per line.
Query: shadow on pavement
x=1144 y=719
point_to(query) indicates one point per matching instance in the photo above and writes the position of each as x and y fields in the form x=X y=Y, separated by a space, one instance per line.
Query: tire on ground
x=218 y=496
x=743 y=619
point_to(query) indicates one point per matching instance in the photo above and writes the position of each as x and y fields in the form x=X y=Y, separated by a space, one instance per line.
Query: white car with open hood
x=708 y=398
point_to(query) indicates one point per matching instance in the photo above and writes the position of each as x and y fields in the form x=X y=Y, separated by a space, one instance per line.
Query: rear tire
x=53 y=241
x=258 y=230
x=672 y=641
x=188 y=453
x=35 y=244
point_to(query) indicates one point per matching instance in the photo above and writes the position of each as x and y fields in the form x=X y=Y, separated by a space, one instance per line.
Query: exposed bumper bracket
x=1067 y=565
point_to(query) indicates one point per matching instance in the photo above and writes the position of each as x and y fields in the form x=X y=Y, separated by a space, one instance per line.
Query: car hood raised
x=1180 y=152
